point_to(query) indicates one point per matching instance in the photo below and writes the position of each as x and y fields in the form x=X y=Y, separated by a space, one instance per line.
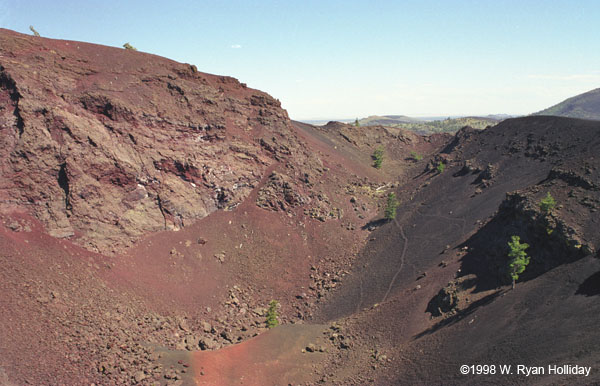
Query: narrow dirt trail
x=360 y=299
x=461 y=220
x=402 y=259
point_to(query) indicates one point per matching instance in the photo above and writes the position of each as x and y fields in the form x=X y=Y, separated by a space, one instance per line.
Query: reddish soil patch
x=277 y=357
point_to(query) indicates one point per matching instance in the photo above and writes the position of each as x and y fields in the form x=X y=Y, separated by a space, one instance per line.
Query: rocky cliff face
x=103 y=144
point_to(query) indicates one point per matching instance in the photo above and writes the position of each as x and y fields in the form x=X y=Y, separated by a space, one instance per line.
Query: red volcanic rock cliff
x=104 y=144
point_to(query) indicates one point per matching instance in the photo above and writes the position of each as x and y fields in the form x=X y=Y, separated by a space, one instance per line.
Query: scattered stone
x=206 y=327
x=192 y=343
x=139 y=376
x=14 y=226
x=171 y=374
x=227 y=336
x=220 y=257
x=104 y=368
x=183 y=325
x=208 y=344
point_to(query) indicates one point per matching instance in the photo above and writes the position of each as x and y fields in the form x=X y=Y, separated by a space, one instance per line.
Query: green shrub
x=440 y=167
x=548 y=203
x=272 y=320
x=390 y=207
x=128 y=46
x=378 y=157
x=519 y=259
x=416 y=156
x=356 y=123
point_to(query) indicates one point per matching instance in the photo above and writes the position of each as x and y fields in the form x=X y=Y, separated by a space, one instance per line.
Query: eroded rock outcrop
x=103 y=144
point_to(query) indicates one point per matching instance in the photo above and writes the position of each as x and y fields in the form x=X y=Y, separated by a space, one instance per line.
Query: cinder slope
x=438 y=272
x=149 y=211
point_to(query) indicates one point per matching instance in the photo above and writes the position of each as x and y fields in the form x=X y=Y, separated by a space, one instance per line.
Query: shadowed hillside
x=434 y=281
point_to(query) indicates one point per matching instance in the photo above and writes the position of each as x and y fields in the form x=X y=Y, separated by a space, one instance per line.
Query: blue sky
x=346 y=59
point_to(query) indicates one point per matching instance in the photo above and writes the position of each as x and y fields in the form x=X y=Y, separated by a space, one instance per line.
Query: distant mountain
x=501 y=117
x=585 y=106
x=321 y=122
x=386 y=120
x=422 y=125
x=428 y=126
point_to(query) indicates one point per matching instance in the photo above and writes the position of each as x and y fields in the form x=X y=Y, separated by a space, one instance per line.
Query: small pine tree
x=519 y=259
x=440 y=167
x=390 y=207
x=378 y=157
x=272 y=320
x=356 y=123
x=548 y=203
x=128 y=46
x=35 y=33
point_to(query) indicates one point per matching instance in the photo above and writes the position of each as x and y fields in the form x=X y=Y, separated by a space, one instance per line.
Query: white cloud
x=236 y=46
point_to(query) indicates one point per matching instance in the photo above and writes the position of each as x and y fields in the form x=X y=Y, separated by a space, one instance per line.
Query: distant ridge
x=428 y=126
x=387 y=120
x=423 y=125
x=584 y=106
